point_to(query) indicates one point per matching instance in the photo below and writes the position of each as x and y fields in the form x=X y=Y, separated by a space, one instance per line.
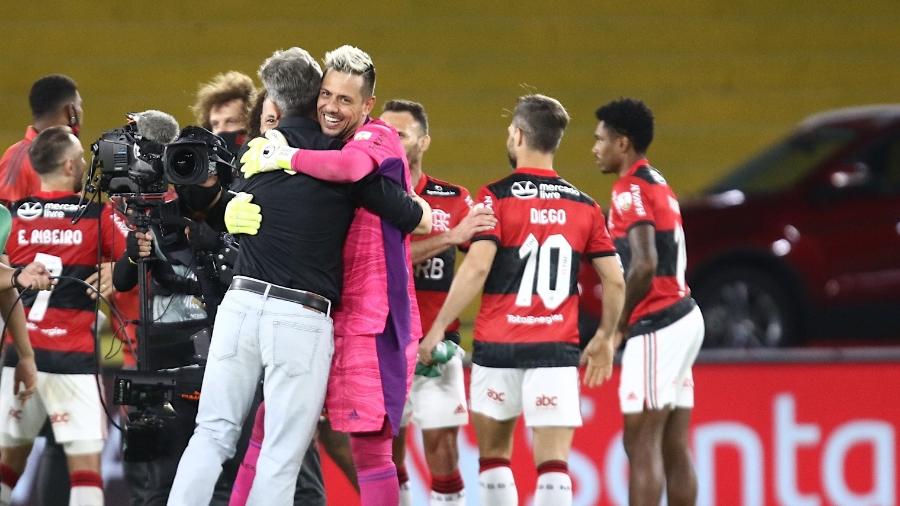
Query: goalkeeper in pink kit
x=377 y=327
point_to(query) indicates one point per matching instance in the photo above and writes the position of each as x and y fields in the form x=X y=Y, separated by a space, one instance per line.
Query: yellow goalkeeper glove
x=243 y=216
x=266 y=154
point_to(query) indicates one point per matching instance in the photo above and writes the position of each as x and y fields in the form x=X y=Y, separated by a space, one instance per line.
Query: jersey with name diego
x=60 y=322
x=642 y=196
x=529 y=309
x=449 y=205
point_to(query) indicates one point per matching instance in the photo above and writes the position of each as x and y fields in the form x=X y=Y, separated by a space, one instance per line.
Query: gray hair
x=353 y=60
x=292 y=79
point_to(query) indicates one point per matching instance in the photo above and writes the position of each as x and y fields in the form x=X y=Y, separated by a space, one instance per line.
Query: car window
x=787 y=162
x=883 y=163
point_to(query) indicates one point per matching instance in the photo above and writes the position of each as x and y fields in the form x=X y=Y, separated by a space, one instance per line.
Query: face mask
x=234 y=140
x=198 y=198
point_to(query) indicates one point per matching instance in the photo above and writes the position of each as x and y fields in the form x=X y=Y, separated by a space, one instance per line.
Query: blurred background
x=724 y=79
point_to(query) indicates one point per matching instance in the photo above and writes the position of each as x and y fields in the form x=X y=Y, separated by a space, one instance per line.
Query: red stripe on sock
x=8 y=476
x=553 y=466
x=402 y=475
x=491 y=463
x=447 y=484
x=85 y=479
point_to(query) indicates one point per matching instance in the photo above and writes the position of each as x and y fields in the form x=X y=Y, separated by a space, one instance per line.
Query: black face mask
x=198 y=198
x=234 y=140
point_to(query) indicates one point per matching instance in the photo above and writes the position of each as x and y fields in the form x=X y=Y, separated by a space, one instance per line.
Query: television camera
x=135 y=165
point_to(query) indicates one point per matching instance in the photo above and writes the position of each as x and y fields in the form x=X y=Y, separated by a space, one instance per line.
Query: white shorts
x=656 y=367
x=70 y=401
x=439 y=402
x=549 y=396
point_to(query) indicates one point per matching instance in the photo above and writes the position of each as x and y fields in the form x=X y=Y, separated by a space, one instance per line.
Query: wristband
x=15 y=278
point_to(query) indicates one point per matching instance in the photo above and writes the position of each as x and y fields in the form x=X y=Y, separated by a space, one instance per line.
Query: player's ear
x=424 y=143
x=368 y=105
x=69 y=167
x=623 y=142
x=520 y=137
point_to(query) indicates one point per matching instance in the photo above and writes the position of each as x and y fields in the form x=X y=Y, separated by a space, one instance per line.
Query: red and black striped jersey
x=529 y=309
x=449 y=203
x=17 y=178
x=642 y=196
x=60 y=322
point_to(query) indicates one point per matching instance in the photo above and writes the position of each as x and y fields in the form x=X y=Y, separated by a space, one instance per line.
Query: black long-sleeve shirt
x=305 y=220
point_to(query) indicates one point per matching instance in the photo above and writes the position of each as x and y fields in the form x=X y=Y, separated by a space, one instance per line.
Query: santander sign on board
x=784 y=434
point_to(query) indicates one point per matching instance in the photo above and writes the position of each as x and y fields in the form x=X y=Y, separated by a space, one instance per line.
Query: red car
x=802 y=240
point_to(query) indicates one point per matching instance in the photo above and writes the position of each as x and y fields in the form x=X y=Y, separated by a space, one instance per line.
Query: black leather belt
x=307 y=299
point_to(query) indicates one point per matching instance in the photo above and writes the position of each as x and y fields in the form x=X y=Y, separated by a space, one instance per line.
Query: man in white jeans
x=270 y=334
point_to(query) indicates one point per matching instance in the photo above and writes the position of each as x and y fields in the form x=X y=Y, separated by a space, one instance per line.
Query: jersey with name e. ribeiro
x=63 y=338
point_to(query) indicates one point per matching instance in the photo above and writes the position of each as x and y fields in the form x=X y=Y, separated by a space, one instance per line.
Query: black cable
x=121 y=320
x=113 y=311
x=165 y=310
x=96 y=332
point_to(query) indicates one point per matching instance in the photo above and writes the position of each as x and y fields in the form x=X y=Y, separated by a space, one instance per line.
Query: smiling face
x=342 y=108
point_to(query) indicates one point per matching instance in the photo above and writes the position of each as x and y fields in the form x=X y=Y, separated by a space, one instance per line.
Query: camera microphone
x=156 y=126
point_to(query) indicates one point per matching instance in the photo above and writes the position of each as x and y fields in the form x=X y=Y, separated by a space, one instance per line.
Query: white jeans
x=291 y=346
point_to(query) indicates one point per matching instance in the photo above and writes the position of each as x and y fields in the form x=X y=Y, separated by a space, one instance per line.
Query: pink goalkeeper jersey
x=364 y=300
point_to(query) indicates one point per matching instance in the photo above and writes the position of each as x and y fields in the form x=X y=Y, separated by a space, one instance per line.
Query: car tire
x=747 y=307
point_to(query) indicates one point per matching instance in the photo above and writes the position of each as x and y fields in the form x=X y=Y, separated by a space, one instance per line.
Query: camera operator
x=185 y=252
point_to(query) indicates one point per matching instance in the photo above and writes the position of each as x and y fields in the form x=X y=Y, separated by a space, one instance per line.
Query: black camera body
x=130 y=164
x=195 y=155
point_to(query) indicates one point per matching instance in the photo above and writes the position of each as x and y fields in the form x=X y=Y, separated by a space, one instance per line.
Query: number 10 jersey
x=529 y=310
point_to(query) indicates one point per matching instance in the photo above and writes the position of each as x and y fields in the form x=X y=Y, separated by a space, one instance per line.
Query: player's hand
x=480 y=219
x=242 y=216
x=35 y=276
x=25 y=378
x=266 y=154
x=427 y=344
x=598 y=359
x=101 y=280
